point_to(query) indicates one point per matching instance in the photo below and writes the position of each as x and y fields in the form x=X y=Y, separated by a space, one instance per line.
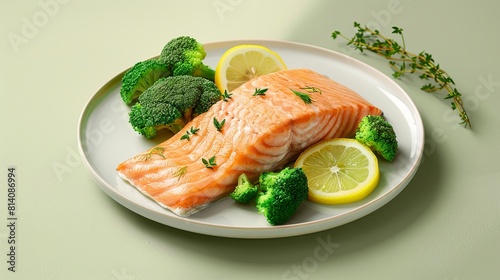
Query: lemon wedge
x=339 y=171
x=242 y=63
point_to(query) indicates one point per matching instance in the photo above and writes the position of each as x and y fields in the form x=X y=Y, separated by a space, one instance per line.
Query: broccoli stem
x=205 y=72
x=176 y=126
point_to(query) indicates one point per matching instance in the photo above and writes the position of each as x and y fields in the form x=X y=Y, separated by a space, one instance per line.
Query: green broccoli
x=172 y=102
x=378 y=134
x=141 y=76
x=277 y=195
x=281 y=193
x=184 y=56
x=245 y=191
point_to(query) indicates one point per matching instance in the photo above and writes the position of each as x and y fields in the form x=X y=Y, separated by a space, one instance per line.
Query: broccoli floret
x=378 y=134
x=148 y=119
x=140 y=77
x=184 y=56
x=245 y=191
x=171 y=103
x=281 y=193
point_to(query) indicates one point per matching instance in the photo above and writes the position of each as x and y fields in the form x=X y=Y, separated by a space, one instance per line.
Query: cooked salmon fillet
x=260 y=133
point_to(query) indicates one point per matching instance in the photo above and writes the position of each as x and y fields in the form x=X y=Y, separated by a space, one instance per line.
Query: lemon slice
x=242 y=63
x=339 y=171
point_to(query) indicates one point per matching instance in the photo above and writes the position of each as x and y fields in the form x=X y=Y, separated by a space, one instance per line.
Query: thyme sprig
x=304 y=96
x=403 y=62
x=209 y=163
x=189 y=133
x=218 y=125
x=259 y=91
x=311 y=89
x=181 y=172
x=226 y=95
x=154 y=151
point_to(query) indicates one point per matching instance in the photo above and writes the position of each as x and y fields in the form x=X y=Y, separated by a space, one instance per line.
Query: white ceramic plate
x=106 y=139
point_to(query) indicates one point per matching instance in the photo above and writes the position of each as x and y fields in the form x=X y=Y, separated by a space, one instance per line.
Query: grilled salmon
x=260 y=133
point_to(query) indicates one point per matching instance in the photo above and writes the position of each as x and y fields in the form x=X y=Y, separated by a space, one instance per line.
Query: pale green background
x=445 y=225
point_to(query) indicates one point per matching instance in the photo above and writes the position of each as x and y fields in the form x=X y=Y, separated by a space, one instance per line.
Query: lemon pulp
x=243 y=63
x=339 y=171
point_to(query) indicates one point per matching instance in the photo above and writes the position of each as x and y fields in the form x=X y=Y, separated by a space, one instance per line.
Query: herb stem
x=402 y=61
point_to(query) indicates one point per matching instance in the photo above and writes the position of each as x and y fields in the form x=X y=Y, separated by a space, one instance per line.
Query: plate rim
x=254 y=232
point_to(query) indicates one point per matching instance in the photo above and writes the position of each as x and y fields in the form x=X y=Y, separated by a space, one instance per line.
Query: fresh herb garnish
x=259 y=91
x=187 y=135
x=218 y=124
x=210 y=163
x=179 y=173
x=154 y=151
x=226 y=95
x=312 y=89
x=403 y=61
x=304 y=96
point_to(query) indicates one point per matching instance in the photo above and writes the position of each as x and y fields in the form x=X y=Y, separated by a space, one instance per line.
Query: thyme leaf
x=218 y=124
x=304 y=96
x=226 y=95
x=259 y=91
x=154 y=151
x=191 y=131
x=209 y=163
